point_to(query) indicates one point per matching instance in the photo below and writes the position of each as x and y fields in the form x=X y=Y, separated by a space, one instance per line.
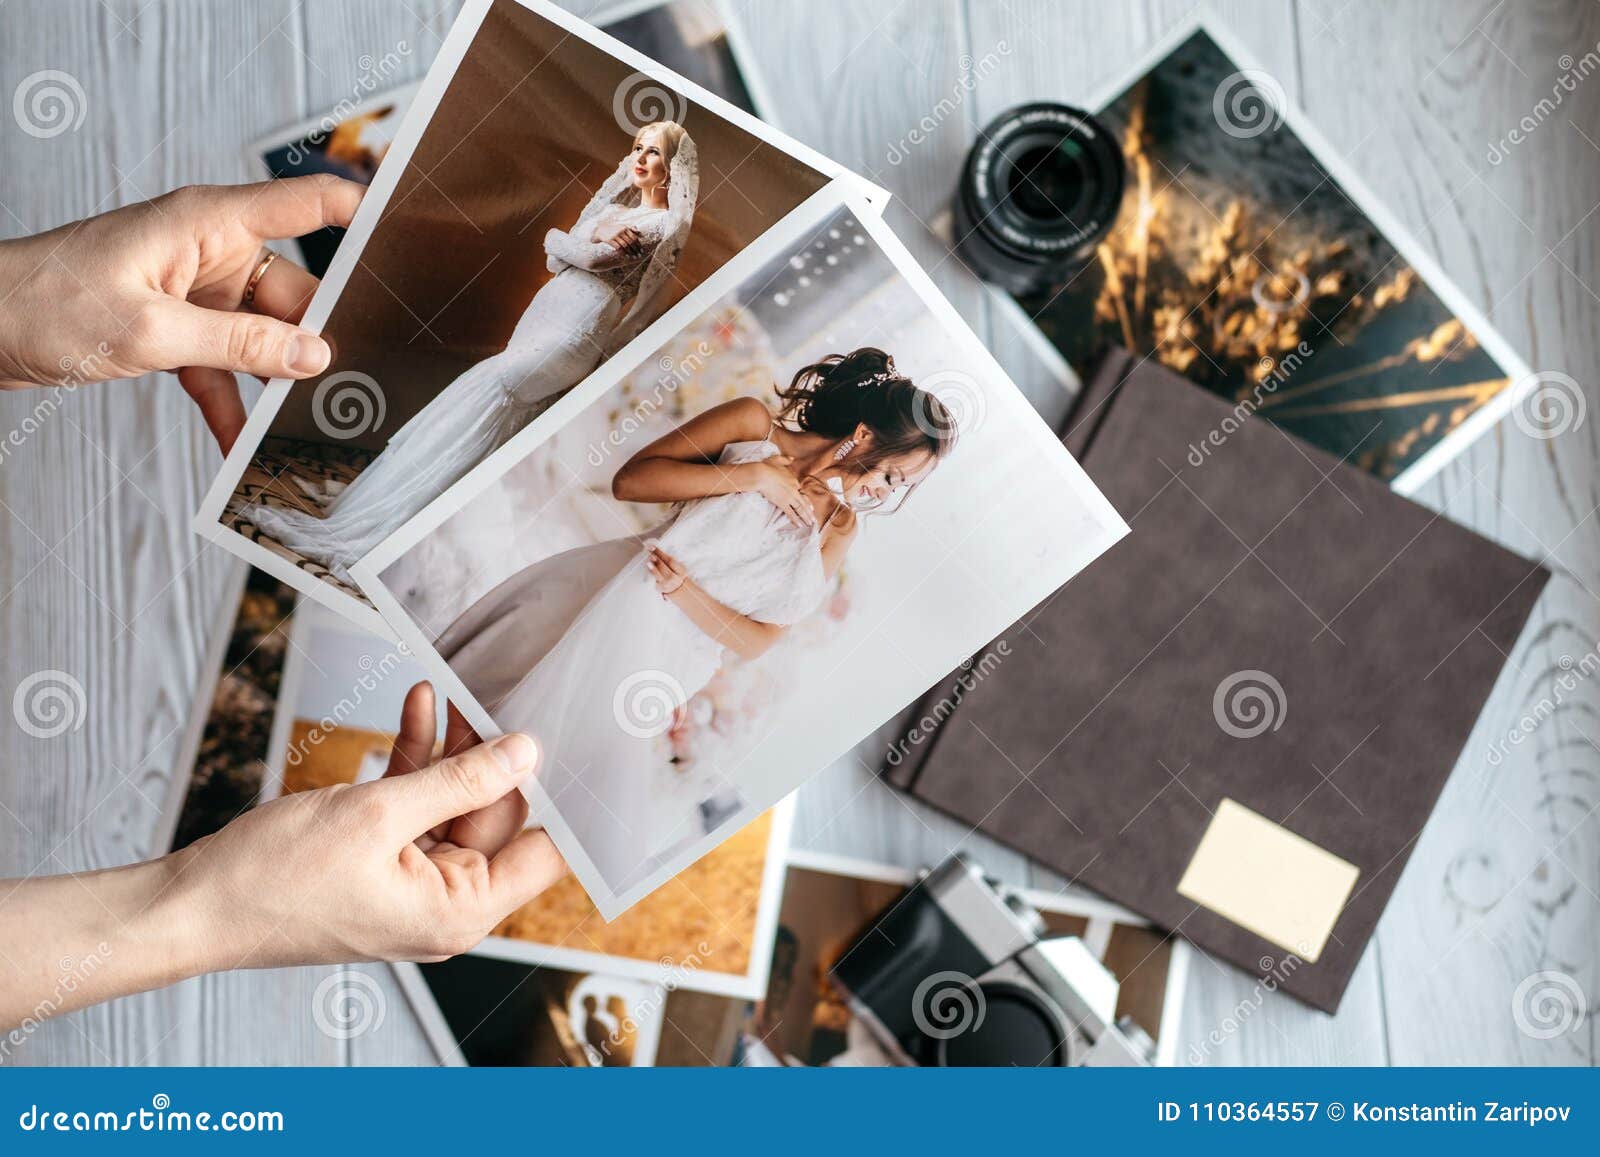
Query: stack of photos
x=488 y=1012
x=550 y=195
x=1250 y=258
x=679 y=463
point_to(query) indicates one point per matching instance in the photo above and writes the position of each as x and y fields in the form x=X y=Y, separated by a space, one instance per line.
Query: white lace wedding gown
x=581 y=650
x=558 y=340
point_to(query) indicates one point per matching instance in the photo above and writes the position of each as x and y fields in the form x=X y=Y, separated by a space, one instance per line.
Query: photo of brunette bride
x=609 y=271
x=598 y=649
x=742 y=558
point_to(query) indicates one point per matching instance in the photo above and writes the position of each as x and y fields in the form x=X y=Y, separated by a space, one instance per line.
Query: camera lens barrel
x=1038 y=191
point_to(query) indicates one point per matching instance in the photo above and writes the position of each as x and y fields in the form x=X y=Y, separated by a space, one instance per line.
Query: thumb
x=459 y=785
x=182 y=334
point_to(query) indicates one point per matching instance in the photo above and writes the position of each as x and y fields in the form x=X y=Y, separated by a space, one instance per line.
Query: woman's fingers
x=284 y=291
x=177 y=333
x=525 y=867
x=413 y=747
x=293 y=206
x=216 y=392
x=458 y=733
x=456 y=786
x=490 y=828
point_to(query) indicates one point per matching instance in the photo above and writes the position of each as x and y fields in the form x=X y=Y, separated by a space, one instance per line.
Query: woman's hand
x=161 y=284
x=419 y=865
x=667 y=571
x=746 y=637
x=626 y=240
x=777 y=484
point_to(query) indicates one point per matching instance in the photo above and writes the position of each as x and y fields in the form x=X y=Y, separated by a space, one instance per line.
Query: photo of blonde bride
x=538 y=210
x=726 y=569
x=609 y=270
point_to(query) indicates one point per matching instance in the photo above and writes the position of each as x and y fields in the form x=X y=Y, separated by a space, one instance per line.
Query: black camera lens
x=1038 y=191
x=1016 y=1030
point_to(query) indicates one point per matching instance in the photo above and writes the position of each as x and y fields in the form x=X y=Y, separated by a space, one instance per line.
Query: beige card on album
x=1265 y=878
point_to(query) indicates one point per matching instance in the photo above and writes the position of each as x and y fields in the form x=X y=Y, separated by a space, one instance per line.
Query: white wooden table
x=100 y=576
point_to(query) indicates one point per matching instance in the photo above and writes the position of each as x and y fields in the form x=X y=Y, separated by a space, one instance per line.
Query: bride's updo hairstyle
x=833 y=396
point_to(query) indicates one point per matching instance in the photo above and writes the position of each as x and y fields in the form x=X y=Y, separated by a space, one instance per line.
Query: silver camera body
x=958 y=973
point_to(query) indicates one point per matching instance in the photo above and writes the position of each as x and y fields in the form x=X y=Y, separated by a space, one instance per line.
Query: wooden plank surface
x=101 y=579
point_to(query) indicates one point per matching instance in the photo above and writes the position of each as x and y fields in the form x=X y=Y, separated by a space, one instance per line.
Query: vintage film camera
x=957 y=973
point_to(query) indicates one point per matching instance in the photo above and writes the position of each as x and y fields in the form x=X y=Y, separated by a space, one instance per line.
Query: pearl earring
x=843 y=451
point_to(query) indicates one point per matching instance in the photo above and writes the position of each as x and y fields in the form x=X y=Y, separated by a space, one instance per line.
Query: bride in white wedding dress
x=595 y=649
x=623 y=249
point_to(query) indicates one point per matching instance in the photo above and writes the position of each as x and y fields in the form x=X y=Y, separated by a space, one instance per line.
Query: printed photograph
x=687 y=36
x=679 y=590
x=709 y=928
x=229 y=765
x=1241 y=260
x=483 y=1012
x=557 y=203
